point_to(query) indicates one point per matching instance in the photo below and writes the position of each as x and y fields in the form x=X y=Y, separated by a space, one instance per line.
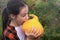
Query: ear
x=12 y=16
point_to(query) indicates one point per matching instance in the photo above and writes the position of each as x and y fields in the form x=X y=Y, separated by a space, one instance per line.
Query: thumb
x=26 y=33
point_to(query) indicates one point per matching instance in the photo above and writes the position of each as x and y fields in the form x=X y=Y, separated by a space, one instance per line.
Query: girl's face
x=22 y=16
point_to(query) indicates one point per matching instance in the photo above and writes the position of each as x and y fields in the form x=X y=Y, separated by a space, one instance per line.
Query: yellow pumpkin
x=33 y=22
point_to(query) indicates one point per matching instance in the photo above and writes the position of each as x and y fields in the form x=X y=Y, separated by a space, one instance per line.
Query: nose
x=26 y=18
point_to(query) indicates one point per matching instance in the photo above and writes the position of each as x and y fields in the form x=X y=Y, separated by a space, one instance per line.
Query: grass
x=0 y=26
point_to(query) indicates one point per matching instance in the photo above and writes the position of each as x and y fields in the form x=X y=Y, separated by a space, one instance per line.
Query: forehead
x=24 y=10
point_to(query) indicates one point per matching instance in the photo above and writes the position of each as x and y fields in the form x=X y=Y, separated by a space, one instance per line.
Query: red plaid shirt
x=10 y=33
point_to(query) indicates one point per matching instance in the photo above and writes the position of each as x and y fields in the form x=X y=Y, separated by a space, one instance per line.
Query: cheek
x=25 y=19
x=18 y=20
x=21 y=20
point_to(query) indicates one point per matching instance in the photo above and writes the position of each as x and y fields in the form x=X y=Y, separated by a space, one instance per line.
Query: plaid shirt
x=10 y=33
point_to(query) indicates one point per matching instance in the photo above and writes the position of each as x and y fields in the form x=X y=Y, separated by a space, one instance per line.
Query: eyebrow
x=24 y=14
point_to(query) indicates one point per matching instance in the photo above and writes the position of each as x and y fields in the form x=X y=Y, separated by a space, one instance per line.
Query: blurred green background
x=48 y=12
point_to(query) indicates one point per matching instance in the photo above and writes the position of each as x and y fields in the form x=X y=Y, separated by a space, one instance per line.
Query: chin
x=22 y=23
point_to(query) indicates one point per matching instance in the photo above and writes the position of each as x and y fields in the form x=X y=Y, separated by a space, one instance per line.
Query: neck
x=15 y=24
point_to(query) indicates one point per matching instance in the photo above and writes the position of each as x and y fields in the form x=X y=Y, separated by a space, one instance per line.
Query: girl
x=14 y=15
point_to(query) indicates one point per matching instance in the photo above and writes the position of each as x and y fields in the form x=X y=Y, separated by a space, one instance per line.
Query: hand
x=33 y=34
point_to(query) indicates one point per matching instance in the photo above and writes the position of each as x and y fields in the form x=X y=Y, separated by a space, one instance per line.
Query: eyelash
x=24 y=15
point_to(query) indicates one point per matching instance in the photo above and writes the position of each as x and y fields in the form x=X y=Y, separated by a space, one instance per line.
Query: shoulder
x=9 y=33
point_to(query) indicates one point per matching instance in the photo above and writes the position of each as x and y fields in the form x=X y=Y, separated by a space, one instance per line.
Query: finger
x=29 y=34
x=37 y=34
x=32 y=30
x=26 y=33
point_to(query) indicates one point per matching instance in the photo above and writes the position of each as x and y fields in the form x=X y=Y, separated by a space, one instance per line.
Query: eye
x=23 y=15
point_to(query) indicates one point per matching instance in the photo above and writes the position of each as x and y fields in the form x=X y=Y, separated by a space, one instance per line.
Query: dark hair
x=13 y=7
